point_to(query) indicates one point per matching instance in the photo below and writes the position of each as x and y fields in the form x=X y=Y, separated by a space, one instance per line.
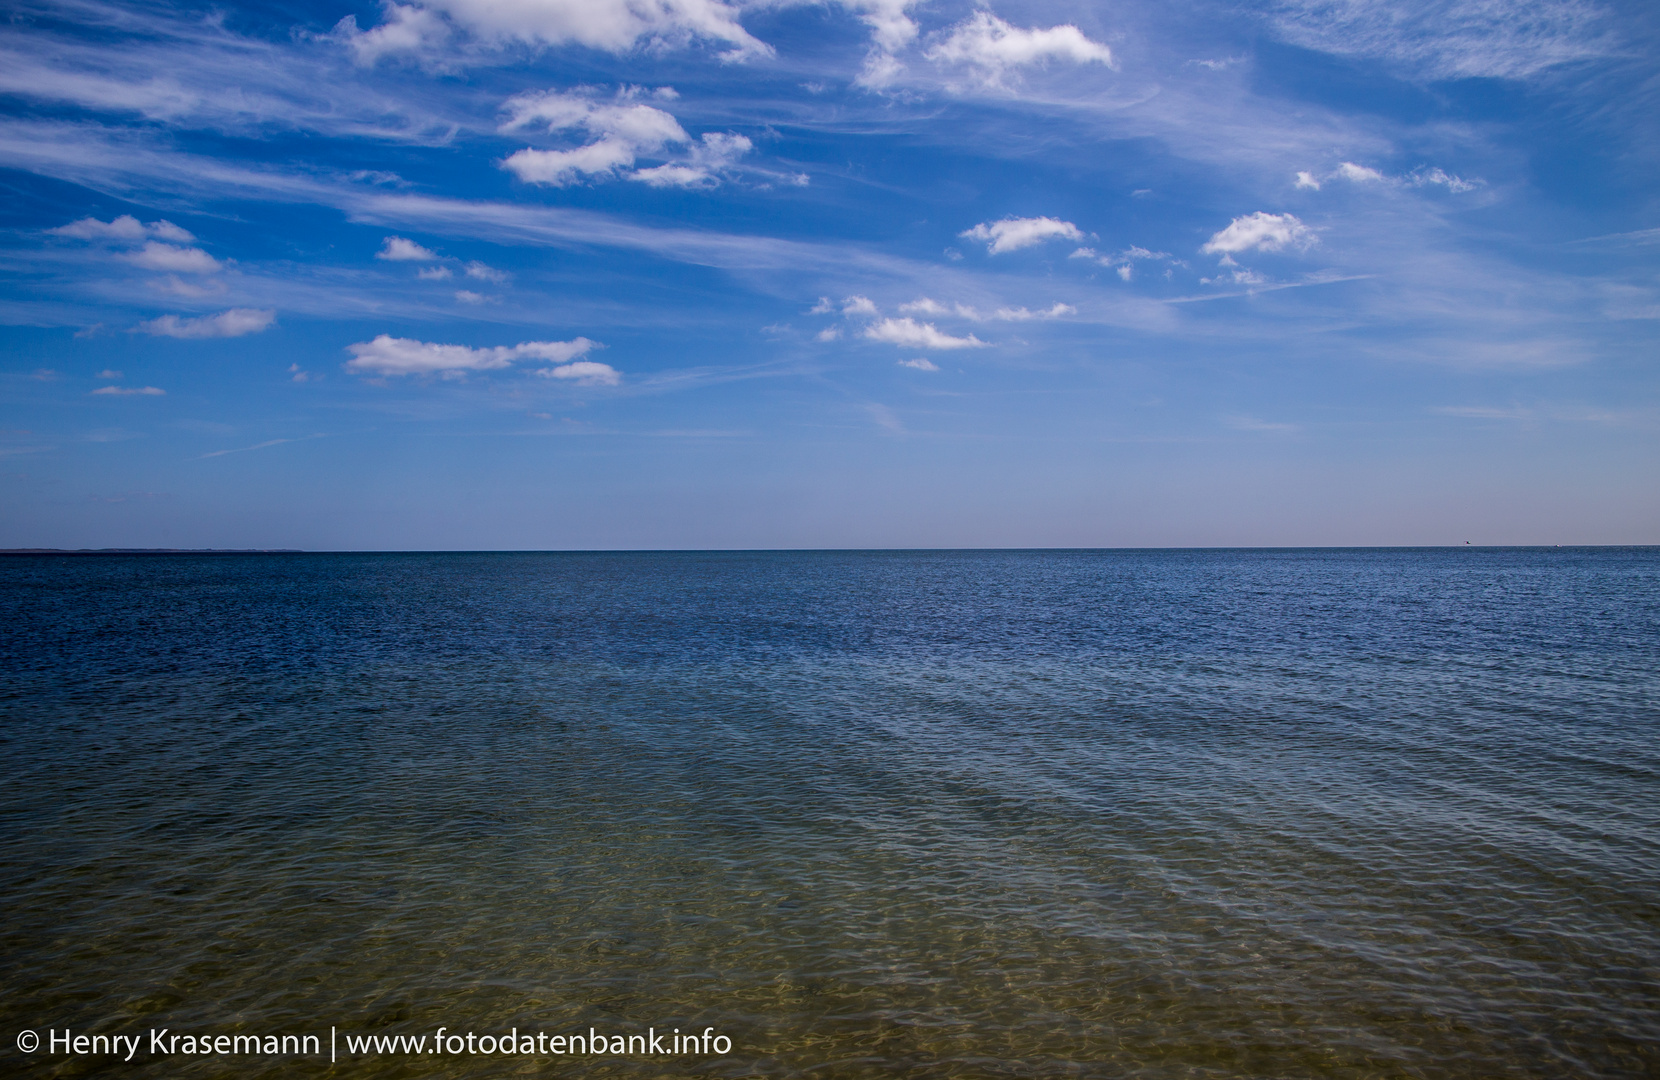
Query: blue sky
x=693 y=273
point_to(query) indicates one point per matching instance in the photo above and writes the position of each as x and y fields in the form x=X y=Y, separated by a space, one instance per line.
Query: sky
x=594 y=274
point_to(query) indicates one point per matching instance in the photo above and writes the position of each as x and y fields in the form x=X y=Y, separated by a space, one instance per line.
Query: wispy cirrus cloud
x=1451 y=38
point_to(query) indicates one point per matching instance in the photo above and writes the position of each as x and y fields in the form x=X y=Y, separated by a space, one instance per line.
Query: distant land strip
x=152 y=551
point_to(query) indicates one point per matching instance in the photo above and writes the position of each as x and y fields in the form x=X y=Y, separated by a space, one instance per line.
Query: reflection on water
x=1083 y=814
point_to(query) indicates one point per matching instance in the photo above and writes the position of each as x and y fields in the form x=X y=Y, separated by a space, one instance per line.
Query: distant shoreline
x=152 y=551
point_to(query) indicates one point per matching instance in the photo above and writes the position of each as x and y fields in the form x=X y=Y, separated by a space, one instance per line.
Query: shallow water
x=1365 y=813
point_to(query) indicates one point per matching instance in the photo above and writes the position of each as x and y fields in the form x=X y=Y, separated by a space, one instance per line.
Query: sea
x=1366 y=813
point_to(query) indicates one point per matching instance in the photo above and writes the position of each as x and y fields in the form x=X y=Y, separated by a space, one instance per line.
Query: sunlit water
x=1081 y=814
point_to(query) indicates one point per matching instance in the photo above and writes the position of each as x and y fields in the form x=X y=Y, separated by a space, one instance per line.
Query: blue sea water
x=1288 y=813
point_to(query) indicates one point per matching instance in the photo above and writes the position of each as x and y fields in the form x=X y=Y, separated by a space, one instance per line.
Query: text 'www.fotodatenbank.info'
x=337 y=1045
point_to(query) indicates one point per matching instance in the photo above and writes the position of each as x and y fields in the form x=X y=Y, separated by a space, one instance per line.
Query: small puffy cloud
x=407 y=28
x=184 y=260
x=130 y=391
x=1261 y=231
x=1012 y=234
x=467 y=296
x=387 y=355
x=1126 y=272
x=110 y=373
x=858 y=305
x=434 y=273
x=124 y=229
x=924 y=305
x=560 y=168
x=237 y=322
x=397 y=249
x=1307 y=182
x=823 y=307
x=584 y=373
x=993 y=47
x=914 y=335
x=486 y=273
x=1359 y=174
x=921 y=363
x=682 y=176
x=830 y=333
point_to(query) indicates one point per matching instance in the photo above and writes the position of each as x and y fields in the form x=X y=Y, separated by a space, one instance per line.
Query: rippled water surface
x=1268 y=814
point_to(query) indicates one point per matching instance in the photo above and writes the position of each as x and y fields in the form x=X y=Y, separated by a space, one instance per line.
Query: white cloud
x=237 y=322
x=858 y=305
x=110 y=373
x=128 y=391
x=434 y=273
x=683 y=176
x=467 y=296
x=1455 y=184
x=1359 y=174
x=637 y=125
x=1238 y=277
x=829 y=333
x=158 y=256
x=1021 y=314
x=1362 y=174
x=486 y=273
x=1126 y=272
x=921 y=363
x=992 y=46
x=387 y=355
x=611 y=25
x=407 y=29
x=558 y=168
x=584 y=372
x=1012 y=234
x=924 y=305
x=623 y=132
x=823 y=307
x=124 y=229
x=397 y=249
x=1261 y=231
x=912 y=334
x=892 y=29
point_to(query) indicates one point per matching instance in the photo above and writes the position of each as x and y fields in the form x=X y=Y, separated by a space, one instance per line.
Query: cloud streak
x=388 y=355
